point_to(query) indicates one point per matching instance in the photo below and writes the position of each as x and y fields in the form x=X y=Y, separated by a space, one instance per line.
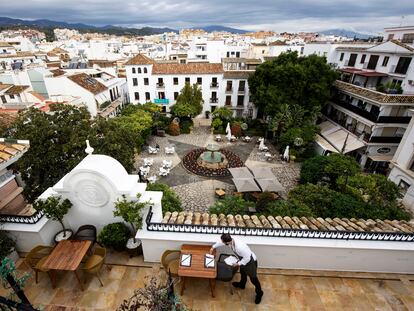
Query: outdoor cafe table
x=197 y=268
x=67 y=256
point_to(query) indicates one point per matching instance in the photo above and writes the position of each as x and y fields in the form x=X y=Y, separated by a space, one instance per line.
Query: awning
x=363 y=72
x=272 y=185
x=240 y=172
x=381 y=158
x=246 y=185
x=262 y=172
x=325 y=144
x=336 y=136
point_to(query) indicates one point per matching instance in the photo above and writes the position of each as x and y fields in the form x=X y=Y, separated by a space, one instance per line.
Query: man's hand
x=211 y=251
x=237 y=264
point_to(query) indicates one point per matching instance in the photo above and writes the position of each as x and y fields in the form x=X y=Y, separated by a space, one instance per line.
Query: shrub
x=229 y=205
x=216 y=123
x=162 y=122
x=236 y=129
x=114 y=236
x=6 y=244
x=174 y=129
x=170 y=200
x=313 y=170
x=263 y=200
x=185 y=126
x=289 y=208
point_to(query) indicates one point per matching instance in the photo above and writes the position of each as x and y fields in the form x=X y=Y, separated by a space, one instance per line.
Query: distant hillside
x=213 y=28
x=41 y=24
x=346 y=33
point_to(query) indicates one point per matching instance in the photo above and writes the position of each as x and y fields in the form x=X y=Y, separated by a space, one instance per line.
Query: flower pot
x=134 y=248
x=14 y=256
x=60 y=236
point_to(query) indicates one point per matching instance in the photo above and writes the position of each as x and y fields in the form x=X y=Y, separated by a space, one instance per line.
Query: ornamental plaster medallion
x=91 y=193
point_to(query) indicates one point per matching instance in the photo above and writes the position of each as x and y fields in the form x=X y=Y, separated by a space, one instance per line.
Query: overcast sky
x=369 y=16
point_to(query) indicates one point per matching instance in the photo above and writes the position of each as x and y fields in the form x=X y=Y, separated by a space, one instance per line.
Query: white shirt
x=241 y=249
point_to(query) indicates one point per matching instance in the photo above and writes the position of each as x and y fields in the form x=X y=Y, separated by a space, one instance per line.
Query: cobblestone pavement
x=198 y=193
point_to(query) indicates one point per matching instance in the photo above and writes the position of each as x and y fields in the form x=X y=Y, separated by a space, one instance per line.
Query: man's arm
x=218 y=244
x=244 y=253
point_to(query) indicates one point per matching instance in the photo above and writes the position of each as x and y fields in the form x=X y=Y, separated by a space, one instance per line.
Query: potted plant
x=7 y=247
x=115 y=236
x=131 y=212
x=55 y=208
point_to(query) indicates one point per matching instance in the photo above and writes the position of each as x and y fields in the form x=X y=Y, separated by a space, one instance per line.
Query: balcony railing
x=402 y=120
x=214 y=100
x=229 y=89
x=214 y=85
x=372 y=95
x=160 y=85
x=359 y=111
x=163 y=101
x=21 y=219
x=228 y=104
x=242 y=89
x=385 y=139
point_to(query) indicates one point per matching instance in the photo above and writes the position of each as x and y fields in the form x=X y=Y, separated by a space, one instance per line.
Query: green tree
x=223 y=113
x=289 y=208
x=313 y=169
x=54 y=208
x=139 y=124
x=229 y=205
x=131 y=212
x=170 y=200
x=292 y=80
x=341 y=165
x=189 y=102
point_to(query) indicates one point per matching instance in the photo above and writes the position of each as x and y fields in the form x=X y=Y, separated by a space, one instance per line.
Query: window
x=390 y=36
x=3 y=99
x=139 y=69
x=11 y=96
x=341 y=58
x=187 y=80
x=229 y=86
x=145 y=70
x=175 y=95
x=240 y=100
x=242 y=85
x=147 y=96
x=373 y=60
x=214 y=98
x=161 y=95
x=199 y=80
x=403 y=185
x=146 y=81
x=175 y=81
x=363 y=58
x=237 y=54
x=182 y=61
x=134 y=81
x=408 y=38
x=160 y=80
x=385 y=61
x=396 y=81
x=228 y=100
x=136 y=95
x=403 y=64
x=352 y=60
x=133 y=70
x=228 y=54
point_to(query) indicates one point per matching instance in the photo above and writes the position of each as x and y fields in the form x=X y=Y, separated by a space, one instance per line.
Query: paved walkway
x=198 y=193
x=283 y=290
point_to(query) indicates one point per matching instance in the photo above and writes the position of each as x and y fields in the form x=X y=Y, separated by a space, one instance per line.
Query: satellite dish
x=298 y=141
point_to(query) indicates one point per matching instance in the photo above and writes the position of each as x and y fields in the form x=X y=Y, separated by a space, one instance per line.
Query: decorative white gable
x=389 y=47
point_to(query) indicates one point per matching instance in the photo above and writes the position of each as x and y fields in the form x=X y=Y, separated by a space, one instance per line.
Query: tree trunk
x=63 y=226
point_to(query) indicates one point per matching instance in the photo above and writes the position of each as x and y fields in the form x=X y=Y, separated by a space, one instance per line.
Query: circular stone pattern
x=91 y=194
x=191 y=162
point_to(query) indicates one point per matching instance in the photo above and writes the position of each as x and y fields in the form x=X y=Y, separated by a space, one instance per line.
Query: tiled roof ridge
x=188 y=68
x=286 y=222
x=140 y=59
x=403 y=45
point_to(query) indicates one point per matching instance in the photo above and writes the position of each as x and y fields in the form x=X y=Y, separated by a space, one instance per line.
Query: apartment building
x=161 y=82
x=402 y=165
x=371 y=102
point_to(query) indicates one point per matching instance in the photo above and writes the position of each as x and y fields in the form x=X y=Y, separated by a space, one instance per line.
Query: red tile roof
x=140 y=59
x=88 y=83
x=190 y=68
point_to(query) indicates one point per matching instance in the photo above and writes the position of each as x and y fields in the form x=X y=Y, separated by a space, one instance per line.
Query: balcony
x=214 y=100
x=401 y=120
x=229 y=89
x=385 y=139
x=160 y=85
x=214 y=85
x=372 y=95
x=162 y=101
x=228 y=104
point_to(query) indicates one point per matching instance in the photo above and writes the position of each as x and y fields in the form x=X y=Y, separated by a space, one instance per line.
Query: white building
x=402 y=164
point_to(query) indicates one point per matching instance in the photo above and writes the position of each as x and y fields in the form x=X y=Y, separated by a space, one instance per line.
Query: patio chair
x=225 y=273
x=163 y=172
x=170 y=260
x=94 y=263
x=169 y=150
x=85 y=232
x=35 y=259
x=218 y=138
x=148 y=162
x=166 y=164
x=152 y=150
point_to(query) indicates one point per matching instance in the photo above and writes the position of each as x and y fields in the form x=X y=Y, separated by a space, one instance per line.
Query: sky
x=366 y=16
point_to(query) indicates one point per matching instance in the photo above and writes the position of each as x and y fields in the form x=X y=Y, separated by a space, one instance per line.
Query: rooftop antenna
x=402 y=19
x=89 y=150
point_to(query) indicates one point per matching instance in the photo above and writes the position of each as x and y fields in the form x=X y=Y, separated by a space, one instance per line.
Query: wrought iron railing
x=21 y=219
x=279 y=233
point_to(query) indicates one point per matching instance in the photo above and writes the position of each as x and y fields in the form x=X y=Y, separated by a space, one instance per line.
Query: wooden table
x=197 y=268
x=66 y=256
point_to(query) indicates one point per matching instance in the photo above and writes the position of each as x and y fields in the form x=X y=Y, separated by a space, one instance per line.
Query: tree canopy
x=189 y=102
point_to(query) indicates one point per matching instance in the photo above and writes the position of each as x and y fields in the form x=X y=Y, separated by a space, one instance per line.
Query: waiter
x=247 y=263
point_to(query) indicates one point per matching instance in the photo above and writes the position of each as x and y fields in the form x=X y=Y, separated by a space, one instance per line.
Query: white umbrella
x=246 y=185
x=262 y=172
x=262 y=145
x=286 y=154
x=272 y=185
x=240 y=172
x=228 y=131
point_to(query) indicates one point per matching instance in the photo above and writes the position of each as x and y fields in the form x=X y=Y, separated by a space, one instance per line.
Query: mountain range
x=346 y=33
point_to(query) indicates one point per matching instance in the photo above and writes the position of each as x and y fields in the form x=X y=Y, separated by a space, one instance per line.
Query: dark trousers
x=250 y=270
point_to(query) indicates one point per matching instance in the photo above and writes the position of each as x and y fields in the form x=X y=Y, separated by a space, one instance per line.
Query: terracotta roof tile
x=4 y=44
x=190 y=68
x=140 y=59
x=58 y=50
x=238 y=74
x=57 y=72
x=17 y=55
x=9 y=150
x=403 y=45
x=16 y=89
x=279 y=222
x=88 y=83
x=4 y=86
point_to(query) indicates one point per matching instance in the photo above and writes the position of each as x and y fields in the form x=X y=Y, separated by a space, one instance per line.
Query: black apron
x=250 y=268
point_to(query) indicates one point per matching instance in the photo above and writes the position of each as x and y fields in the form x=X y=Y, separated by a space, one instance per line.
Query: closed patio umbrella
x=228 y=131
x=271 y=185
x=262 y=172
x=240 y=172
x=245 y=185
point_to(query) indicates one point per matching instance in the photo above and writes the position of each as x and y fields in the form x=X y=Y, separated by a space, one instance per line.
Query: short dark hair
x=226 y=237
